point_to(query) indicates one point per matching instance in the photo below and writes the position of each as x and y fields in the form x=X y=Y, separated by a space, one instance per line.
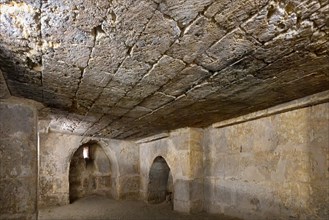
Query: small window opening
x=85 y=152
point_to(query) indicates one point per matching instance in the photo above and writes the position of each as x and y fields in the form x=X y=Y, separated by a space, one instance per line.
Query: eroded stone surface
x=18 y=155
x=160 y=65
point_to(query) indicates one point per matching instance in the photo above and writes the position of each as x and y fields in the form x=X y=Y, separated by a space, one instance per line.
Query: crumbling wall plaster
x=274 y=167
x=56 y=151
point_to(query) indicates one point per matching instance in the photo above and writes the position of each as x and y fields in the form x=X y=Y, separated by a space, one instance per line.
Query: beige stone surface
x=271 y=164
x=56 y=151
x=118 y=72
x=273 y=167
x=18 y=156
x=160 y=65
x=183 y=153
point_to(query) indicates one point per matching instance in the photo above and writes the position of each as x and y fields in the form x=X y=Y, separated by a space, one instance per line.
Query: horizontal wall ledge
x=314 y=99
x=153 y=138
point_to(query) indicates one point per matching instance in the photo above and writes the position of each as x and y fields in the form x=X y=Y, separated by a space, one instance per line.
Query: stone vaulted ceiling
x=132 y=68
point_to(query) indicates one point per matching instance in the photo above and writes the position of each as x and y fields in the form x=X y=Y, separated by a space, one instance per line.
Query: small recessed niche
x=90 y=172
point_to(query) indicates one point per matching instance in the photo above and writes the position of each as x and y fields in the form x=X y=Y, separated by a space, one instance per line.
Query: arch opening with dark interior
x=90 y=172
x=160 y=186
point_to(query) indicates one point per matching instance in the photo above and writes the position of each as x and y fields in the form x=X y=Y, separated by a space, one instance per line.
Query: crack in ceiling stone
x=129 y=69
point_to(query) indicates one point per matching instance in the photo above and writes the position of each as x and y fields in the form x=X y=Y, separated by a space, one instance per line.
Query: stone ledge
x=315 y=99
x=153 y=138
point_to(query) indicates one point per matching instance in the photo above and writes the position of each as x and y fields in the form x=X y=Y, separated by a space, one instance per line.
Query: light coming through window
x=86 y=152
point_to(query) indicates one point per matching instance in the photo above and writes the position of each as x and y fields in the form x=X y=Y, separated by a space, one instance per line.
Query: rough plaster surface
x=128 y=69
x=18 y=161
x=56 y=151
x=274 y=167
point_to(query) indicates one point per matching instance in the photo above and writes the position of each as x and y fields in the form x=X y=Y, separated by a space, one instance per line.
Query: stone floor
x=96 y=207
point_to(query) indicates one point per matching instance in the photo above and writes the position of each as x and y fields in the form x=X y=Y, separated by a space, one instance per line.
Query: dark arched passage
x=160 y=181
x=90 y=172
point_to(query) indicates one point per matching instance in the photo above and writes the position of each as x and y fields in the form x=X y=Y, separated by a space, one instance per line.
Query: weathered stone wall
x=56 y=151
x=18 y=160
x=91 y=175
x=182 y=151
x=275 y=167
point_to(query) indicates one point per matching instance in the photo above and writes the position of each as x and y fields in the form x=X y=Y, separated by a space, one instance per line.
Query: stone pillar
x=18 y=161
x=125 y=158
x=183 y=152
x=188 y=188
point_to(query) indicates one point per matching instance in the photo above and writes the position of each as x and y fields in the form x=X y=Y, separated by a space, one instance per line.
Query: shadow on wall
x=27 y=81
x=160 y=186
x=20 y=51
x=19 y=74
x=90 y=172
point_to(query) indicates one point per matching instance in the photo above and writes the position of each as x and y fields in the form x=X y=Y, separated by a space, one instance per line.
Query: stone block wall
x=274 y=167
x=182 y=151
x=270 y=164
x=18 y=160
x=56 y=151
x=269 y=167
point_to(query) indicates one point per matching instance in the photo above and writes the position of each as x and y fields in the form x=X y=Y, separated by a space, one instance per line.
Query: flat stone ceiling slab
x=129 y=69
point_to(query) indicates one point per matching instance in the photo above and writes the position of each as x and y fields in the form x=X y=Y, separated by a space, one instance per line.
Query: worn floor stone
x=103 y=208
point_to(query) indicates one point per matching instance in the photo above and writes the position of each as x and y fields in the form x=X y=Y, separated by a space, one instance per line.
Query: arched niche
x=160 y=186
x=90 y=172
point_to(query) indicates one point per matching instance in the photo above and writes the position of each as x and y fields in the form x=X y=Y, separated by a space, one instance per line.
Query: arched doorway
x=160 y=182
x=90 y=172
